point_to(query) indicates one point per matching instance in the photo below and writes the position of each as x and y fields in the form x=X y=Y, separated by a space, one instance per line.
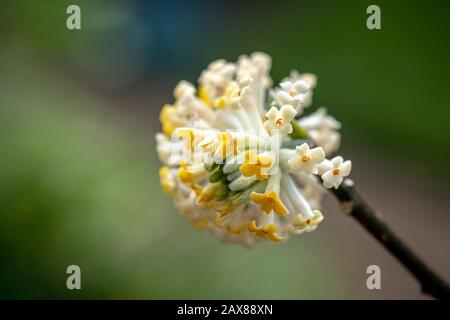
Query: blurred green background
x=79 y=174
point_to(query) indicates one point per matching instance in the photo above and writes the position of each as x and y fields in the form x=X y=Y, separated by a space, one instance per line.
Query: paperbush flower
x=240 y=161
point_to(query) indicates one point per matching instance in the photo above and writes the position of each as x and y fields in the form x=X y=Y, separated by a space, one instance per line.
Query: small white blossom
x=256 y=67
x=293 y=93
x=307 y=159
x=280 y=119
x=183 y=88
x=214 y=80
x=334 y=171
x=309 y=78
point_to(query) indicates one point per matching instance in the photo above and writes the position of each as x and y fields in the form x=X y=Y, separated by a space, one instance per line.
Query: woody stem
x=352 y=202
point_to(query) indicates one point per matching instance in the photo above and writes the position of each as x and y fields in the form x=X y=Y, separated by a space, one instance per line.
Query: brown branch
x=353 y=204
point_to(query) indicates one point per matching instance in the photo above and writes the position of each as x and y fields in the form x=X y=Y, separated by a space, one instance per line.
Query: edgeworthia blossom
x=239 y=158
x=307 y=159
x=280 y=119
x=294 y=93
x=334 y=171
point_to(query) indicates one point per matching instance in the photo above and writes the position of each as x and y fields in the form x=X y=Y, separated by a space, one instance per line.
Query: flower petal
x=346 y=167
x=317 y=154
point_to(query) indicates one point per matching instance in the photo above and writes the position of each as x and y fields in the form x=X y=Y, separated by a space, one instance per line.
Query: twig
x=353 y=204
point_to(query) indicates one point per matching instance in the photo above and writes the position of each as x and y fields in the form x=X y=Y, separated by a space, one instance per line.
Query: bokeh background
x=79 y=174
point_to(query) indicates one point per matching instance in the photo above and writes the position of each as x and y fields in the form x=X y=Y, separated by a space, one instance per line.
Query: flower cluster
x=240 y=161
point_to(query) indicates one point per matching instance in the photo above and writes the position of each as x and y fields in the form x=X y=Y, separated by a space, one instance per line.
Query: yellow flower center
x=305 y=158
x=279 y=122
x=336 y=171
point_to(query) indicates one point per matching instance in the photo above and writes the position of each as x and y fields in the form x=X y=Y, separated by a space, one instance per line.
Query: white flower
x=334 y=171
x=257 y=67
x=309 y=78
x=307 y=159
x=225 y=166
x=280 y=119
x=183 y=88
x=214 y=80
x=293 y=93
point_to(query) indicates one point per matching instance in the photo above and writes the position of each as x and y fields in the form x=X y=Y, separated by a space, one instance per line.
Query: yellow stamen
x=255 y=165
x=236 y=230
x=188 y=135
x=206 y=197
x=269 y=201
x=185 y=174
x=228 y=145
x=204 y=96
x=220 y=103
x=230 y=92
x=167 y=185
x=188 y=177
x=336 y=171
x=165 y=117
x=268 y=231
